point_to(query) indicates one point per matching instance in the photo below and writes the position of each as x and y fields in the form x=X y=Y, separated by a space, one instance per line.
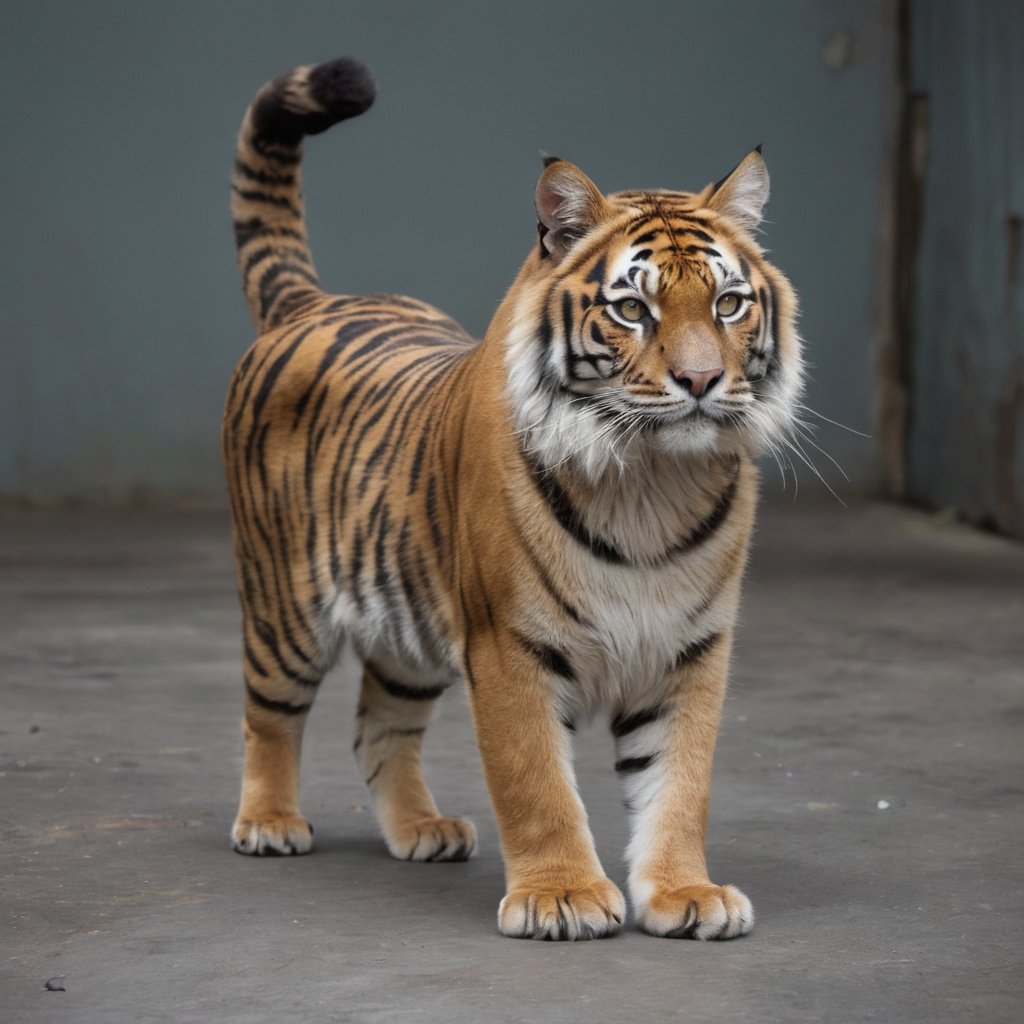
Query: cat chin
x=701 y=437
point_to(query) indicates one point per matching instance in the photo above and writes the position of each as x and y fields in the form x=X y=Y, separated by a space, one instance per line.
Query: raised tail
x=266 y=196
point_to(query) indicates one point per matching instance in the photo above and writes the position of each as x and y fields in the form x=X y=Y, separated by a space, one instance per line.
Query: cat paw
x=558 y=912
x=696 y=912
x=272 y=834
x=434 y=839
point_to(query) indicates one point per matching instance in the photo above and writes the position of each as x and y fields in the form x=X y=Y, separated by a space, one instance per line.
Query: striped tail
x=266 y=197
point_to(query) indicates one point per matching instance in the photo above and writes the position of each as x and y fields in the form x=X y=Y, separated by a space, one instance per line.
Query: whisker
x=800 y=427
x=794 y=446
x=834 y=423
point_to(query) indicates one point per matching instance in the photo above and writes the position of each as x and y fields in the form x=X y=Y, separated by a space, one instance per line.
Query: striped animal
x=557 y=515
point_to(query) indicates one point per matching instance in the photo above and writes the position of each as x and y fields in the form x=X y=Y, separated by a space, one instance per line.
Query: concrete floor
x=881 y=660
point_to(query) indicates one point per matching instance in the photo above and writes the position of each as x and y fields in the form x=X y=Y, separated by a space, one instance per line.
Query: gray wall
x=122 y=314
x=966 y=438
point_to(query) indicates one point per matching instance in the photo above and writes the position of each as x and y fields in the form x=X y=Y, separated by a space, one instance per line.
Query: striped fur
x=558 y=515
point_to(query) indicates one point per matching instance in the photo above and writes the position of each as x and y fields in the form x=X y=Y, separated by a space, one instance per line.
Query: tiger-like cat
x=558 y=514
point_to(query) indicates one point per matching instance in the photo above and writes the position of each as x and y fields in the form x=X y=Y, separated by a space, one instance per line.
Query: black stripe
x=545 y=579
x=432 y=519
x=345 y=334
x=255 y=227
x=550 y=658
x=273 y=251
x=270 y=377
x=696 y=650
x=382 y=576
x=253 y=195
x=417 y=461
x=773 y=361
x=710 y=524
x=280 y=706
x=545 y=375
x=568 y=518
x=289 y=297
x=241 y=405
x=567 y=318
x=706 y=249
x=270 y=149
x=355 y=568
x=254 y=661
x=631 y=765
x=268 y=637
x=702 y=235
x=623 y=724
x=596 y=335
x=596 y=274
x=403 y=692
x=414 y=600
x=261 y=176
x=270 y=289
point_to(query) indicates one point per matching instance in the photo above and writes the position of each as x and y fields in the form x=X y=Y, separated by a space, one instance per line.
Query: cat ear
x=568 y=205
x=743 y=193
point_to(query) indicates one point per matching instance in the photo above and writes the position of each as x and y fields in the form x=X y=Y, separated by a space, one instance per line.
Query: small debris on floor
x=55 y=984
x=883 y=805
x=33 y=728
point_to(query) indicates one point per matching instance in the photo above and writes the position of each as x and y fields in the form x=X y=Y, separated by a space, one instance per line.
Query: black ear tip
x=758 y=149
x=548 y=159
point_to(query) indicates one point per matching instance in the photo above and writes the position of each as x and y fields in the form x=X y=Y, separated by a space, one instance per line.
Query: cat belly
x=395 y=638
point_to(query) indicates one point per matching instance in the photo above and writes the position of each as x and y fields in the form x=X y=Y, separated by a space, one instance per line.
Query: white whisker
x=800 y=426
x=834 y=423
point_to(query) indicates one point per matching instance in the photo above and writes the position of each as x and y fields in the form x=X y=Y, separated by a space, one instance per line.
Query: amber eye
x=632 y=310
x=728 y=304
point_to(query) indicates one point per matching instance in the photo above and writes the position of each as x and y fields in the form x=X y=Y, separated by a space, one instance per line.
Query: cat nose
x=697 y=382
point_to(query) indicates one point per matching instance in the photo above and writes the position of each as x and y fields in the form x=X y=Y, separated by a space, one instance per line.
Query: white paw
x=272 y=834
x=580 y=912
x=697 y=912
x=434 y=839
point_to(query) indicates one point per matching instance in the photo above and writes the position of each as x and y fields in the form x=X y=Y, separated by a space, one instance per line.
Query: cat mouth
x=693 y=415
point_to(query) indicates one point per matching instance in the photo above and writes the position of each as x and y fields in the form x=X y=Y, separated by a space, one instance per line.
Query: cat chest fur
x=676 y=587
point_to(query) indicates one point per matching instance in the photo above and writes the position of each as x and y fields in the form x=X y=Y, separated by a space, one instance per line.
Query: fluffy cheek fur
x=554 y=427
x=560 y=429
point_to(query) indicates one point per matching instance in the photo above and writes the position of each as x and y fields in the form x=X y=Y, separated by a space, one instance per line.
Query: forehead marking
x=668 y=226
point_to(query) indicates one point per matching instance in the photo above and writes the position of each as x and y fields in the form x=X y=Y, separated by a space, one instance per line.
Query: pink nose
x=697 y=382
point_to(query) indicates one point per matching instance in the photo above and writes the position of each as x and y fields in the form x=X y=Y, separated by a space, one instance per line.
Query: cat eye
x=632 y=310
x=728 y=304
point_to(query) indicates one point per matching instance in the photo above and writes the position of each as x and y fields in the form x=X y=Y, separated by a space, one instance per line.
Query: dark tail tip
x=344 y=88
x=298 y=104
